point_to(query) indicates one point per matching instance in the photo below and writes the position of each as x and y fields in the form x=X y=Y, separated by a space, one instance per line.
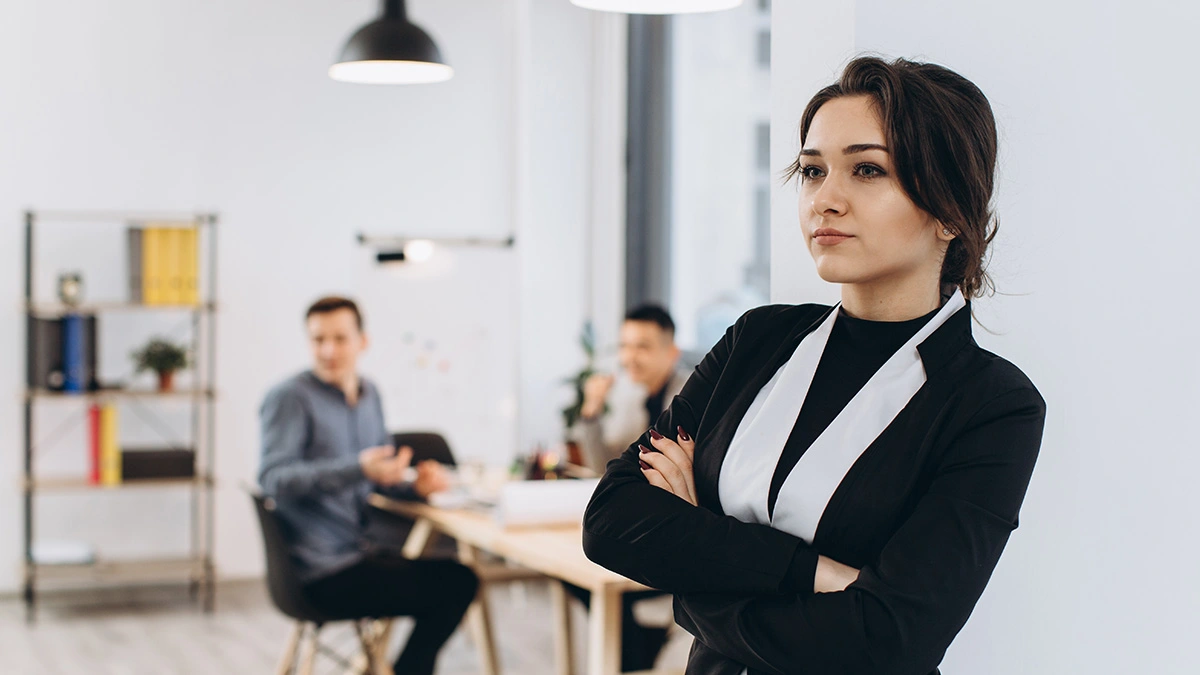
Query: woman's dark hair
x=333 y=303
x=941 y=134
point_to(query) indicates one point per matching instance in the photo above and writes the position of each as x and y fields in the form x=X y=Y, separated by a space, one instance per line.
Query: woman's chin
x=835 y=273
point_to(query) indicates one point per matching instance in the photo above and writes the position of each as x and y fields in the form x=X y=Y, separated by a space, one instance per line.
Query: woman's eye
x=810 y=172
x=868 y=171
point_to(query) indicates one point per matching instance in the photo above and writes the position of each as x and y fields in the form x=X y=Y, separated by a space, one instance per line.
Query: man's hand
x=595 y=393
x=384 y=466
x=431 y=477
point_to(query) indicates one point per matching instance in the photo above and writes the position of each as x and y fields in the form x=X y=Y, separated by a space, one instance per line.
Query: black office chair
x=425 y=445
x=286 y=592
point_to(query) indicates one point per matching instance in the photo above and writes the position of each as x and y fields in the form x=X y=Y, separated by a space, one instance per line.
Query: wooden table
x=552 y=551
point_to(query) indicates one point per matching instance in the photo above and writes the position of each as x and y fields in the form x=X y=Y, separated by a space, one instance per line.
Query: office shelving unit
x=196 y=567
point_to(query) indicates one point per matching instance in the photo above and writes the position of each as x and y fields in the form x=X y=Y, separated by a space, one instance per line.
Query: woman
x=833 y=487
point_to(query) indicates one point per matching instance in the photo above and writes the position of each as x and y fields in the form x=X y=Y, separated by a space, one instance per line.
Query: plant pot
x=166 y=380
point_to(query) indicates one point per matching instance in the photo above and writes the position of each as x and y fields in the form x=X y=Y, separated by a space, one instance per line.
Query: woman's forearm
x=832 y=576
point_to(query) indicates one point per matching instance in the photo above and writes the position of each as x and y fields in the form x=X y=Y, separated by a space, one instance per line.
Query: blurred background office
x=580 y=163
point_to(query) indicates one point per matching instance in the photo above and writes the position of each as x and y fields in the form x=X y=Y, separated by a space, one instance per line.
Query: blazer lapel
x=733 y=396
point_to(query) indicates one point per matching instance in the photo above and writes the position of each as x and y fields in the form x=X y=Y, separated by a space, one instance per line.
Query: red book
x=94 y=444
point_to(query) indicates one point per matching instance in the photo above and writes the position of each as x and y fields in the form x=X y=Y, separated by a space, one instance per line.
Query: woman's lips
x=830 y=239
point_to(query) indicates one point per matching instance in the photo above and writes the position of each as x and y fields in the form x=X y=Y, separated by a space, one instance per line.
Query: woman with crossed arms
x=833 y=487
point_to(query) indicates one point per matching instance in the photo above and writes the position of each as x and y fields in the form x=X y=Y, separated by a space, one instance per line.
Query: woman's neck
x=890 y=301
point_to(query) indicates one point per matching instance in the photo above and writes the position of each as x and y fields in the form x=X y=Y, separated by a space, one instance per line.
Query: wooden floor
x=160 y=632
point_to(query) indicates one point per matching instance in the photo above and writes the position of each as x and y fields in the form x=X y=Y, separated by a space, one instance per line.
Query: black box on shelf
x=155 y=463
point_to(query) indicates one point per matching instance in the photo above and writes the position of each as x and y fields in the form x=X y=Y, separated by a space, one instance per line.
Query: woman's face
x=859 y=224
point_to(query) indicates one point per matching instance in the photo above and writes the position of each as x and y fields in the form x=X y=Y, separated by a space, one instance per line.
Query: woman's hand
x=669 y=464
x=832 y=576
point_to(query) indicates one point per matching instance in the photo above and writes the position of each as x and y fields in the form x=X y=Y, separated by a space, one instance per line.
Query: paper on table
x=544 y=502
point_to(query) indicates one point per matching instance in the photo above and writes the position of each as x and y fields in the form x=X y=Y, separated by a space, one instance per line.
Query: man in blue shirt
x=325 y=448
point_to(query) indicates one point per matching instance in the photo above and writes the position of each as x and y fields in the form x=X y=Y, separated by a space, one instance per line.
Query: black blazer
x=924 y=513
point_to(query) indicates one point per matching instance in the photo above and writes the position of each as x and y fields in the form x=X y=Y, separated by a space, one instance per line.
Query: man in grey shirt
x=325 y=448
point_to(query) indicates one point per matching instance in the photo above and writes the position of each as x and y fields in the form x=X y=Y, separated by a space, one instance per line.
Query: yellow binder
x=189 y=265
x=170 y=267
x=151 y=281
x=110 y=449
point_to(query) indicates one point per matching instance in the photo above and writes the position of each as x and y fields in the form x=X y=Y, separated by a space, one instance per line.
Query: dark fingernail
x=683 y=434
x=644 y=465
x=655 y=435
x=644 y=449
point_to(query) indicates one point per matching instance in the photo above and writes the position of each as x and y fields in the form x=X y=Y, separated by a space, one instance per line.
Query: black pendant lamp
x=390 y=50
x=658 y=6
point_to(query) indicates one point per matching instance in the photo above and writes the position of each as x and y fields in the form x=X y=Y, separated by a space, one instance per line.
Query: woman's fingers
x=656 y=479
x=686 y=442
x=671 y=449
x=662 y=464
x=680 y=453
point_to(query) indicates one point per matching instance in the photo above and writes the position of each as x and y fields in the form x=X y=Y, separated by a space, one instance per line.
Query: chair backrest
x=283 y=582
x=425 y=445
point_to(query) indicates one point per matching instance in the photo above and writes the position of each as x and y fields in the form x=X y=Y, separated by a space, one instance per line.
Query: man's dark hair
x=654 y=314
x=333 y=303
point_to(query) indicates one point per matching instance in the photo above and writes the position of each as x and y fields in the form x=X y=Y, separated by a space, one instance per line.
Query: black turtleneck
x=856 y=349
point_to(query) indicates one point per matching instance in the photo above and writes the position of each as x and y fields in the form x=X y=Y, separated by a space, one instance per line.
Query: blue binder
x=74 y=363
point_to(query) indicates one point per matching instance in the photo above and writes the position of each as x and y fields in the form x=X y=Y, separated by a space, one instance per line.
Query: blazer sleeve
x=651 y=536
x=904 y=610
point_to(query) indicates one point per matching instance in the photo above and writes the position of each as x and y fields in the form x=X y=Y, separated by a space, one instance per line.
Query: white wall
x=1094 y=258
x=226 y=106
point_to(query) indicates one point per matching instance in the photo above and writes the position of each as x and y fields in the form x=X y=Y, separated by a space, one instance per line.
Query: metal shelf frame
x=197 y=567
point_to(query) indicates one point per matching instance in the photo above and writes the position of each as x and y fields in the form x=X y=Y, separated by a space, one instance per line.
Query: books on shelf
x=74 y=373
x=164 y=265
x=137 y=287
x=110 y=448
x=62 y=353
x=94 y=444
x=110 y=464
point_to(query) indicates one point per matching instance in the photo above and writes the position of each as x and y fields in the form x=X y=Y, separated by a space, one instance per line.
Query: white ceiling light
x=658 y=6
x=419 y=250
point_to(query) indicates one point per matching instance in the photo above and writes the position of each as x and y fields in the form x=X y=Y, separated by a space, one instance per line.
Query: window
x=699 y=191
x=762 y=146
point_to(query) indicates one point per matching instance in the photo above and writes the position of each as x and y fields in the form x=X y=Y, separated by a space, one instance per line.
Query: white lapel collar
x=754 y=451
x=806 y=491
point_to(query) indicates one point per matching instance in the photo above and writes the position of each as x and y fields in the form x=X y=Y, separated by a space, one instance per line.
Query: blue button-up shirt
x=311 y=437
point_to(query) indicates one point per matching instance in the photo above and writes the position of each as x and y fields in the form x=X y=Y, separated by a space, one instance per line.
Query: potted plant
x=571 y=414
x=164 y=358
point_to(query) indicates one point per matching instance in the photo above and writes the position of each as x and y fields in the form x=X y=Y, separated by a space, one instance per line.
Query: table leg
x=418 y=539
x=564 y=656
x=604 y=632
x=479 y=617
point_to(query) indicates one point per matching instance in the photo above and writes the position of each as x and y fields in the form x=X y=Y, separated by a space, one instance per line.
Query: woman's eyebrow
x=848 y=150
x=862 y=147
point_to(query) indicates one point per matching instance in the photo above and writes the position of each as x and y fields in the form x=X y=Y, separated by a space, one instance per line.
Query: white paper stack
x=544 y=502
